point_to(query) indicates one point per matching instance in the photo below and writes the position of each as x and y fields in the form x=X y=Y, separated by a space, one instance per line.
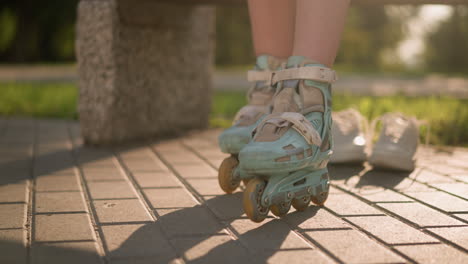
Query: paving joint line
x=60 y=213
x=92 y=214
x=63 y=241
x=436 y=188
x=427 y=204
x=376 y=239
x=30 y=220
x=231 y=232
x=399 y=218
x=145 y=201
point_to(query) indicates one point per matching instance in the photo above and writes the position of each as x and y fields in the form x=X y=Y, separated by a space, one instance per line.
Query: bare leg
x=273 y=26
x=318 y=28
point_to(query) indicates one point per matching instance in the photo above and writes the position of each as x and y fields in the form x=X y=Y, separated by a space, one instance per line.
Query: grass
x=54 y=100
x=448 y=117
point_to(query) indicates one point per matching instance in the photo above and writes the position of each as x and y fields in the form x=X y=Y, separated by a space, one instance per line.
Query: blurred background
x=410 y=59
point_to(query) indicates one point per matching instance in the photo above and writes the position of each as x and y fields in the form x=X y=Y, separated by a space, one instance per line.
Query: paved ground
x=61 y=202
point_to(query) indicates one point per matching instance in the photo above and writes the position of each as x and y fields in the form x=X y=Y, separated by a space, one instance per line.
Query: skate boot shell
x=233 y=139
x=286 y=160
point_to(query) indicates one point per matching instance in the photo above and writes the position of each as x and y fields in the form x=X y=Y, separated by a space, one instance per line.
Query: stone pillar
x=144 y=68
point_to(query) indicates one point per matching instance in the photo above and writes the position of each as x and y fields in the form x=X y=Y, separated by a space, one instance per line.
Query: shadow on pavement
x=200 y=238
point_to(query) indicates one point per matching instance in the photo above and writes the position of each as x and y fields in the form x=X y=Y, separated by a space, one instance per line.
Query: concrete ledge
x=144 y=70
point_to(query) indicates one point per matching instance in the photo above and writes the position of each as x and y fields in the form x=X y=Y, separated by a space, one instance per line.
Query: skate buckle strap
x=255 y=76
x=315 y=73
x=299 y=123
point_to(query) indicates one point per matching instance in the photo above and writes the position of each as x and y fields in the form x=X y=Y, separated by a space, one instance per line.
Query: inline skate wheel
x=280 y=209
x=226 y=182
x=320 y=198
x=251 y=200
x=301 y=204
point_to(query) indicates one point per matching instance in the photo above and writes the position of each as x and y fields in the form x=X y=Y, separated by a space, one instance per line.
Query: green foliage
x=56 y=100
x=370 y=33
x=448 y=117
x=7 y=28
x=446 y=45
x=37 y=30
x=233 y=36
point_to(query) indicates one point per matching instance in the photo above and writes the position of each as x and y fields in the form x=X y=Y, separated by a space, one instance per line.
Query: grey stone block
x=144 y=69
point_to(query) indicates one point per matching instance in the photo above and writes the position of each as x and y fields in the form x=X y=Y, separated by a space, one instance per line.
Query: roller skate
x=349 y=131
x=398 y=141
x=286 y=160
x=233 y=139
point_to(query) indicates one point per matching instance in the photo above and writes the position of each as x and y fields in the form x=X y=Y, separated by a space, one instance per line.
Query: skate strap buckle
x=255 y=76
x=314 y=73
x=299 y=123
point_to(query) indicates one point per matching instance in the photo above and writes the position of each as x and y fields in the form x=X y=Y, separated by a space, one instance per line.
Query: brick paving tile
x=382 y=195
x=226 y=206
x=433 y=254
x=112 y=211
x=390 y=230
x=168 y=146
x=315 y=218
x=345 y=204
x=447 y=170
x=102 y=174
x=14 y=192
x=181 y=157
x=169 y=198
x=350 y=246
x=294 y=256
x=136 y=240
x=461 y=177
x=420 y=214
x=156 y=179
x=188 y=222
x=442 y=201
x=135 y=153
x=111 y=190
x=410 y=185
x=459 y=189
x=146 y=260
x=70 y=253
x=57 y=183
x=200 y=170
x=12 y=215
x=59 y=202
x=456 y=235
x=146 y=164
x=206 y=186
x=212 y=249
x=62 y=170
x=272 y=235
x=428 y=176
x=62 y=227
x=12 y=246
x=104 y=162
x=462 y=216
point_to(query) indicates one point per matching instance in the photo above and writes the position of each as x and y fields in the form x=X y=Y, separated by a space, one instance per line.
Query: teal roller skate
x=286 y=160
x=233 y=139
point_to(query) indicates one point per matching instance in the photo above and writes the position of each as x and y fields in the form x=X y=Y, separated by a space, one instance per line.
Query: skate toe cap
x=233 y=139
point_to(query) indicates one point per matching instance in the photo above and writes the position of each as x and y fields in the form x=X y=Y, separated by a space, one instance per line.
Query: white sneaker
x=397 y=143
x=349 y=142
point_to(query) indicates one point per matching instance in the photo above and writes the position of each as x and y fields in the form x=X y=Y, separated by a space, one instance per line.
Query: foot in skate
x=233 y=139
x=288 y=155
